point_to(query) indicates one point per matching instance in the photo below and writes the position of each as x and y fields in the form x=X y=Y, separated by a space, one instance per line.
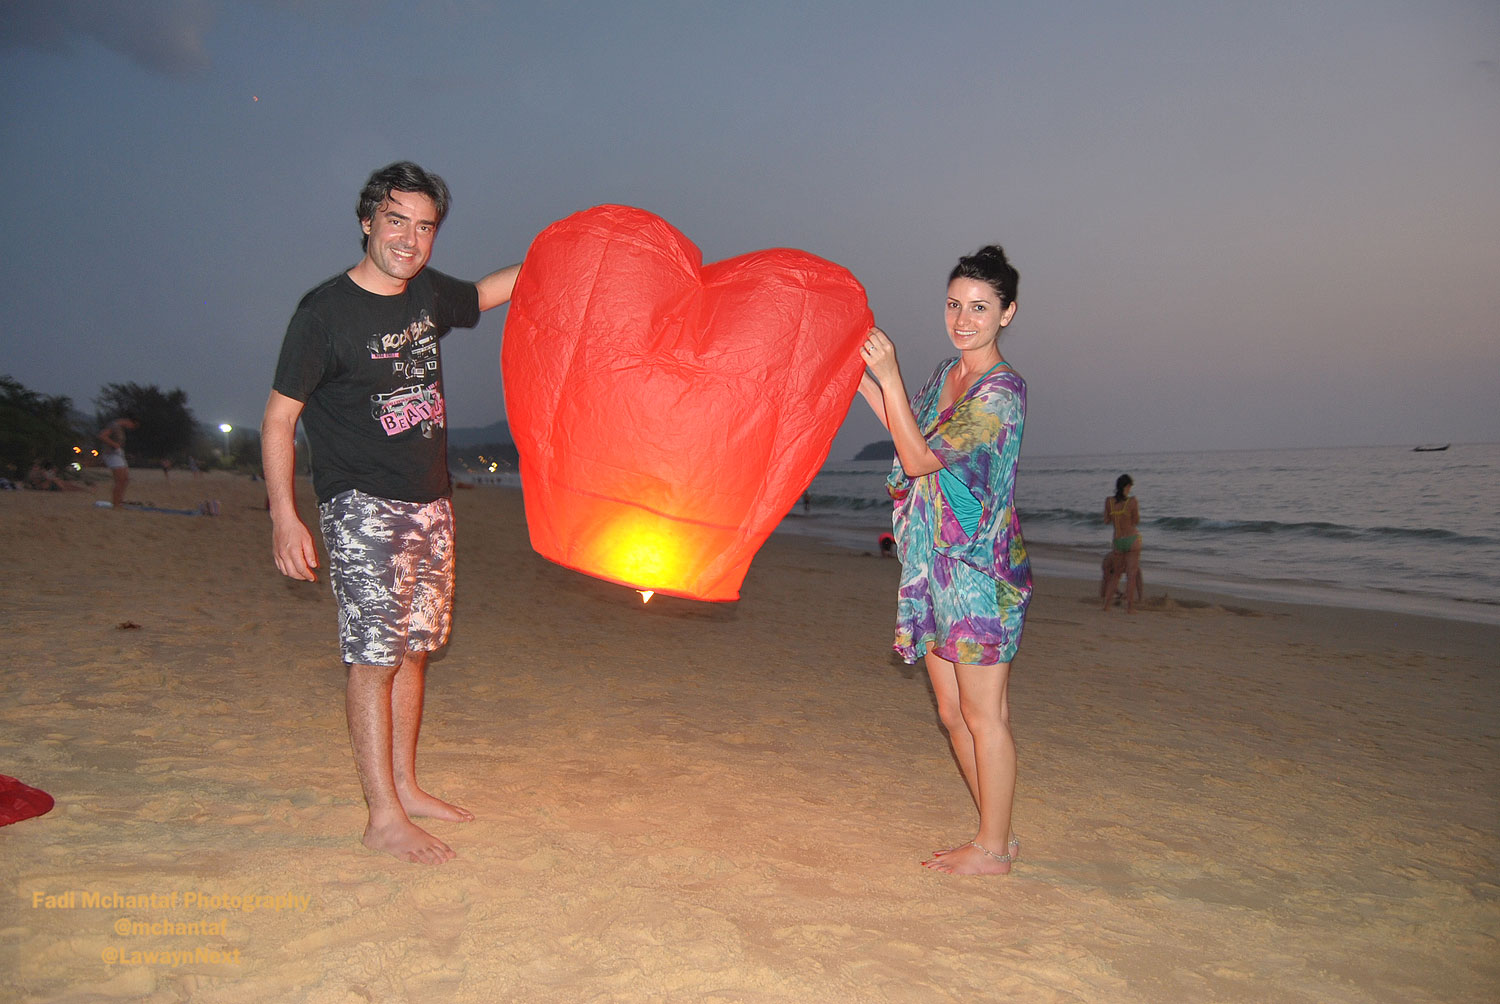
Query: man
x=113 y=438
x=360 y=368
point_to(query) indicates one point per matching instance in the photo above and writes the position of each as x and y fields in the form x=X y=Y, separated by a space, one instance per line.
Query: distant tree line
x=48 y=429
x=34 y=427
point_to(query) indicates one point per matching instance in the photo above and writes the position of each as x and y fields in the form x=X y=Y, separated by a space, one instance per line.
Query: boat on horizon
x=1430 y=448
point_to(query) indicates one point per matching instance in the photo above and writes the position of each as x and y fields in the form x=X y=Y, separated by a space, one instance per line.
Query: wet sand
x=1219 y=801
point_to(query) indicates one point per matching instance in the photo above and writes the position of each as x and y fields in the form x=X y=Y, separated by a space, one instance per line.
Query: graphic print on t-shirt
x=413 y=353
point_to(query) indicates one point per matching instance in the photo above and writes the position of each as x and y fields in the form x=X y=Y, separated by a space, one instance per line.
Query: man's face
x=401 y=234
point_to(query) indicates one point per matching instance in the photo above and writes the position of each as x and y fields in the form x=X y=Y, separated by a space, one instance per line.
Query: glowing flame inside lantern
x=641 y=550
x=639 y=547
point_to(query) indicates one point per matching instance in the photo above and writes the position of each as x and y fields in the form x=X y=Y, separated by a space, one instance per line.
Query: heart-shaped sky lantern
x=669 y=413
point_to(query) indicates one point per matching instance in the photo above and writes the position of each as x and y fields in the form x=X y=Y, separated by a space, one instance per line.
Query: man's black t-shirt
x=368 y=371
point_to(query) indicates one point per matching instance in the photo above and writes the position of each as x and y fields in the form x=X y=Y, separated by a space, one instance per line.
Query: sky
x=1270 y=225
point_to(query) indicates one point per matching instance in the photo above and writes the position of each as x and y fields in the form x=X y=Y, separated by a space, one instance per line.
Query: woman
x=965 y=578
x=113 y=437
x=1124 y=512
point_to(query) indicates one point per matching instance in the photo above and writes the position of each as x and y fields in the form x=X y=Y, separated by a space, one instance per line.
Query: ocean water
x=1379 y=527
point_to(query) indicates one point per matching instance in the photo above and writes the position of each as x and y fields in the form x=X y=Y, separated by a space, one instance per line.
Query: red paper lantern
x=668 y=413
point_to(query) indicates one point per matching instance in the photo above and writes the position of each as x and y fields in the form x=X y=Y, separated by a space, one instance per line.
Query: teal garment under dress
x=965 y=506
x=964 y=592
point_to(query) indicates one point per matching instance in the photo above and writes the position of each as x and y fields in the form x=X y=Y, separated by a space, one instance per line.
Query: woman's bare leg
x=945 y=688
x=984 y=707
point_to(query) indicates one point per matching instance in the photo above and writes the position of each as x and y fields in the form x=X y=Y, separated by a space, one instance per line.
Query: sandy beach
x=1219 y=801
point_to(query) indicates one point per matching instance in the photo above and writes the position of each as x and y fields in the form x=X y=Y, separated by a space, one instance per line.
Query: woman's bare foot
x=417 y=802
x=970 y=859
x=1013 y=848
x=406 y=840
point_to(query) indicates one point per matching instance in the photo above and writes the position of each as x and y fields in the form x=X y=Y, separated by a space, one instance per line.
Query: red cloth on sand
x=21 y=801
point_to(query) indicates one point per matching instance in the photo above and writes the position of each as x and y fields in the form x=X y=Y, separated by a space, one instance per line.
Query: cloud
x=165 y=36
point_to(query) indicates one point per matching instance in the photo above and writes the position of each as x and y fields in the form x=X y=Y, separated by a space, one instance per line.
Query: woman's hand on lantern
x=879 y=354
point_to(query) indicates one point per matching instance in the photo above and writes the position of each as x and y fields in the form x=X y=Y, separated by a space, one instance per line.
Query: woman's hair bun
x=990 y=265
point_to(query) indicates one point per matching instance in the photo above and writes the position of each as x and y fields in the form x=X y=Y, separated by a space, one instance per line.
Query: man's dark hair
x=402 y=176
x=989 y=264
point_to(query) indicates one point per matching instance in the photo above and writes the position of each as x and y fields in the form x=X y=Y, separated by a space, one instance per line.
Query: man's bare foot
x=417 y=802
x=970 y=859
x=407 y=841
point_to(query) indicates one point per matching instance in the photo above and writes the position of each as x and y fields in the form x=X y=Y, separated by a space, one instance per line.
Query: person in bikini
x=1122 y=510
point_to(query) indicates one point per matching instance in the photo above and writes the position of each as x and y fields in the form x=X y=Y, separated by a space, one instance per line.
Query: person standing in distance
x=1124 y=512
x=113 y=437
x=360 y=367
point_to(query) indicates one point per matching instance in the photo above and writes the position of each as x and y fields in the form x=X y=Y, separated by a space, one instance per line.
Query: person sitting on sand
x=1111 y=568
x=42 y=479
x=360 y=367
x=965 y=576
x=1122 y=510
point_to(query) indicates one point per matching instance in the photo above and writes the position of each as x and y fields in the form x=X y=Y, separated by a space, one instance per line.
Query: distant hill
x=476 y=449
x=881 y=449
x=498 y=432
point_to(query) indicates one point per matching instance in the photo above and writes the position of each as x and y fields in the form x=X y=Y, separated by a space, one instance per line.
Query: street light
x=226 y=428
